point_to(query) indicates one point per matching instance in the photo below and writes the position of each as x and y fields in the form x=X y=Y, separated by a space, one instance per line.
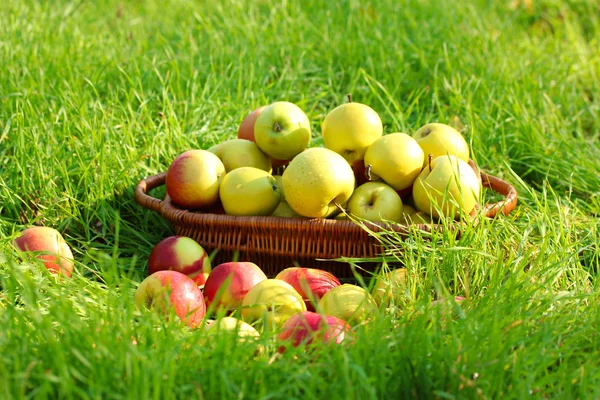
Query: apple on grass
x=306 y=328
x=181 y=254
x=282 y=130
x=317 y=182
x=193 y=179
x=231 y=325
x=49 y=246
x=376 y=202
x=447 y=187
x=389 y=287
x=172 y=292
x=270 y=303
x=228 y=284
x=441 y=140
x=349 y=302
x=249 y=191
x=310 y=283
x=350 y=128
x=396 y=158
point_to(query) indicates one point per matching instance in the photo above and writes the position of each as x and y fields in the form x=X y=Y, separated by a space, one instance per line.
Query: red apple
x=193 y=179
x=50 y=246
x=311 y=283
x=167 y=291
x=229 y=282
x=246 y=131
x=246 y=128
x=308 y=327
x=360 y=172
x=181 y=254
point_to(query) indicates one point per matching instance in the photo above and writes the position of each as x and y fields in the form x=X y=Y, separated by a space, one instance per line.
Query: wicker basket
x=275 y=243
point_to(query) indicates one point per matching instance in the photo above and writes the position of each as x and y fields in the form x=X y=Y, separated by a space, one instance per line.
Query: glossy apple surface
x=376 y=202
x=49 y=246
x=270 y=303
x=238 y=153
x=193 y=179
x=310 y=283
x=349 y=302
x=308 y=327
x=228 y=284
x=246 y=128
x=249 y=191
x=441 y=140
x=171 y=291
x=181 y=254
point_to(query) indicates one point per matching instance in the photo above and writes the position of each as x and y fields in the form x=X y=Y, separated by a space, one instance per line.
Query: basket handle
x=145 y=186
x=506 y=205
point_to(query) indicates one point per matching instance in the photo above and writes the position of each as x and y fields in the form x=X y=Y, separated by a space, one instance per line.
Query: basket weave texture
x=276 y=243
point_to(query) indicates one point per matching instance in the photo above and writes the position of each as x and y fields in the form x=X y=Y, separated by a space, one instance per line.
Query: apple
x=246 y=128
x=229 y=282
x=49 y=246
x=360 y=172
x=308 y=327
x=193 y=179
x=284 y=210
x=389 y=286
x=350 y=128
x=181 y=254
x=396 y=158
x=349 y=302
x=232 y=325
x=310 y=283
x=441 y=140
x=171 y=291
x=249 y=191
x=237 y=153
x=447 y=187
x=412 y=216
x=317 y=182
x=282 y=130
x=376 y=202
x=271 y=302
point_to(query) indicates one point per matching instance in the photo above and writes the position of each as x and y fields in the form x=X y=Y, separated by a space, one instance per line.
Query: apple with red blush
x=181 y=254
x=308 y=327
x=228 y=284
x=49 y=246
x=310 y=283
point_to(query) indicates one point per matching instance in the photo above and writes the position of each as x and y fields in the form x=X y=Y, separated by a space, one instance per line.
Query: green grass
x=94 y=96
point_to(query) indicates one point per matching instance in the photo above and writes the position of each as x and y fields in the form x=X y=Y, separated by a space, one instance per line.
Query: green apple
x=282 y=130
x=389 y=286
x=349 y=302
x=440 y=140
x=237 y=153
x=447 y=187
x=232 y=325
x=350 y=128
x=317 y=181
x=396 y=158
x=284 y=210
x=412 y=216
x=249 y=191
x=271 y=301
x=193 y=179
x=375 y=201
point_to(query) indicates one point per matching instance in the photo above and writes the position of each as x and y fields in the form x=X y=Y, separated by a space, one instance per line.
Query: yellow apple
x=412 y=216
x=249 y=191
x=231 y=325
x=237 y=153
x=389 y=286
x=349 y=302
x=447 y=187
x=316 y=181
x=396 y=158
x=350 y=128
x=375 y=201
x=440 y=140
x=271 y=301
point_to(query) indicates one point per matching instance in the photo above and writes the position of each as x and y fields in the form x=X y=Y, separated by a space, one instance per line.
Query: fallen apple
x=48 y=245
x=310 y=283
x=349 y=302
x=181 y=254
x=171 y=291
x=389 y=287
x=305 y=328
x=231 y=325
x=193 y=179
x=270 y=303
x=228 y=284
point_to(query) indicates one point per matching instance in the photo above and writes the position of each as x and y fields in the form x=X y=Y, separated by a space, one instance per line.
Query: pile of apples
x=298 y=306
x=359 y=172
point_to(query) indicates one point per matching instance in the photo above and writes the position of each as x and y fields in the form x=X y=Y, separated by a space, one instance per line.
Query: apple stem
x=429 y=159
x=349 y=96
x=277 y=127
x=368 y=172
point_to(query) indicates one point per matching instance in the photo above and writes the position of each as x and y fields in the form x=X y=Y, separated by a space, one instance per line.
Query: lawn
x=95 y=96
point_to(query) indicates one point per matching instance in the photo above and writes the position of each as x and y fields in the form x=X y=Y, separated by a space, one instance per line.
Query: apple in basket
x=376 y=202
x=49 y=246
x=246 y=131
x=236 y=153
x=182 y=254
x=172 y=292
x=441 y=140
x=229 y=282
x=305 y=328
x=310 y=283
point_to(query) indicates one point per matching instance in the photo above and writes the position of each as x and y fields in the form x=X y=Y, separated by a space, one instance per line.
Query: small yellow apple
x=249 y=191
x=375 y=201
x=237 y=153
x=389 y=286
x=441 y=140
x=349 y=302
